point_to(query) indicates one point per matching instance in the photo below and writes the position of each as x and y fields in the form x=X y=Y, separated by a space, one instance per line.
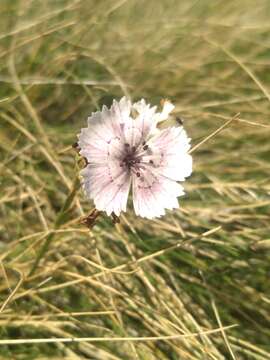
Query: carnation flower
x=124 y=148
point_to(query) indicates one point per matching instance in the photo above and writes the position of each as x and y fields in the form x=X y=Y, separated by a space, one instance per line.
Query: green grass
x=61 y=60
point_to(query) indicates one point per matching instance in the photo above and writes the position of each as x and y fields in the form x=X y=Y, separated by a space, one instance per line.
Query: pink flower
x=124 y=148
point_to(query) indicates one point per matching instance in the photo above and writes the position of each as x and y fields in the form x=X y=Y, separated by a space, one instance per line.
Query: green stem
x=58 y=222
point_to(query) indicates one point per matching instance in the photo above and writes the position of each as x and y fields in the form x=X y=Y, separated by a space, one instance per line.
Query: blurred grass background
x=61 y=60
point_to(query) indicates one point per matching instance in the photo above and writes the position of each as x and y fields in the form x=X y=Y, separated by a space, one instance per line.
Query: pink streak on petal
x=145 y=121
x=154 y=194
x=170 y=156
x=108 y=185
x=104 y=127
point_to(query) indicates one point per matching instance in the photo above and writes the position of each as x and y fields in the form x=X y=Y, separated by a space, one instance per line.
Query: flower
x=124 y=148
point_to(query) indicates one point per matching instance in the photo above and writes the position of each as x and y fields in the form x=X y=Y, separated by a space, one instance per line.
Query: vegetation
x=192 y=285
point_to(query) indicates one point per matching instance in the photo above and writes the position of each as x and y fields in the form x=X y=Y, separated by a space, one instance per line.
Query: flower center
x=131 y=159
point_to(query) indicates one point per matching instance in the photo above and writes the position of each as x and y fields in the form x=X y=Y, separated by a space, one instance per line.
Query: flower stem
x=58 y=222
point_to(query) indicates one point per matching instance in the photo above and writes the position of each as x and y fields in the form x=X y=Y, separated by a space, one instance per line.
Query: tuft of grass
x=191 y=285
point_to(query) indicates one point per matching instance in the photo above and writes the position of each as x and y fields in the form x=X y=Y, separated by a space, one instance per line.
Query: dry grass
x=164 y=289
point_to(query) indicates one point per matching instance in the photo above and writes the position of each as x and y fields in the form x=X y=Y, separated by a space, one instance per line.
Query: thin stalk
x=58 y=222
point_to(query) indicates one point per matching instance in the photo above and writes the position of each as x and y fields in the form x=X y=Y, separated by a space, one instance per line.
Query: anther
x=126 y=145
x=145 y=147
x=151 y=162
x=138 y=174
x=179 y=120
x=75 y=145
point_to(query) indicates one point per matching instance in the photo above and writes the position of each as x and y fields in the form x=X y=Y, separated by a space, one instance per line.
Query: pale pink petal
x=102 y=143
x=110 y=151
x=104 y=128
x=168 y=154
x=145 y=121
x=147 y=118
x=108 y=185
x=167 y=109
x=152 y=194
x=121 y=110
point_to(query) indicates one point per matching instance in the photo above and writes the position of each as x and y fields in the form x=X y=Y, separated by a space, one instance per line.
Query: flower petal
x=102 y=143
x=147 y=118
x=168 y=154
x=145 y=121
x=104 y=127
x=167 y=109
x=108 y=185
x=121 y=110
x=152 y=194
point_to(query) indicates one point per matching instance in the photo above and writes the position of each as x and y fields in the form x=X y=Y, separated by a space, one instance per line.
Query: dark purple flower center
x=130 y=158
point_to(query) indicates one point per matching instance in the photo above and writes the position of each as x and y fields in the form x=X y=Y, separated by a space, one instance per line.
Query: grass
x=192 y=285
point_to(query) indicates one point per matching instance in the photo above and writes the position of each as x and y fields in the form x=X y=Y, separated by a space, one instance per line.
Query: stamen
x=179 y=120
x=138 y=174
x=145 y=147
